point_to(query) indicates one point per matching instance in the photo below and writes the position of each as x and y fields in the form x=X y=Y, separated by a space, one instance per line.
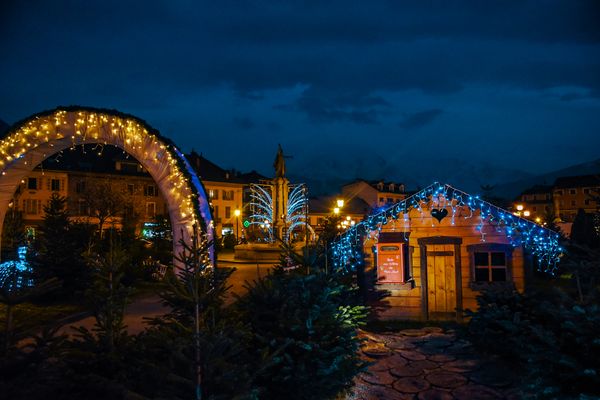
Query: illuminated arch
x=31 y=141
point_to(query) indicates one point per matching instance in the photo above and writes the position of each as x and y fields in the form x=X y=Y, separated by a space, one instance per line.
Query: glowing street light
x=340 y=203
x=336 y=210
x=237 y=212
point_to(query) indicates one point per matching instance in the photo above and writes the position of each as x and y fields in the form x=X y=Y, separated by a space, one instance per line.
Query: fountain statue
x=278 y=213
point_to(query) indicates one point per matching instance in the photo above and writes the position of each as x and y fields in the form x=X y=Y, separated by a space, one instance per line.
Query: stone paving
x=429 y=364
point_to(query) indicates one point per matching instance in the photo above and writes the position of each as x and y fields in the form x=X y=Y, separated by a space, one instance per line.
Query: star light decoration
x=541 y=242
x=51 y=132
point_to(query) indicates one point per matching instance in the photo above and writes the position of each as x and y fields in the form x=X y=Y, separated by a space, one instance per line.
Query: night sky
x=473 y=92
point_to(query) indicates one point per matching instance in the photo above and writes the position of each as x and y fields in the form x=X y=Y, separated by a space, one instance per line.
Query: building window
x=382 y=199
x=82 y=208
x=213 y=194
x=227 y=194
x=130 y=188
x=572 y=191
x=216 y=212
x=490 y=262
x=534 y=209
x=150 y=209
x=390 y=200
x=55 y=185
x=150 y=190
x=80 y=187
x=559 y=192
x=586 y=191
x=573 y=203
x=32 y=183
x=31 y=206
x=587 y=202
x=227 y=212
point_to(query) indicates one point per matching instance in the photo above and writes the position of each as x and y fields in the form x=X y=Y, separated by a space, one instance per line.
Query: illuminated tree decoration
x=542 y=243
x=34 y=139
x=261 y=206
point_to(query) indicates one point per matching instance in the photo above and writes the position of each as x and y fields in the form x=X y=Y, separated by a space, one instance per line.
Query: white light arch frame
x=38 y=137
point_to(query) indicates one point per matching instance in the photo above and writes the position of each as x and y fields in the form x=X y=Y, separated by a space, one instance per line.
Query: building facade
x=375 y=193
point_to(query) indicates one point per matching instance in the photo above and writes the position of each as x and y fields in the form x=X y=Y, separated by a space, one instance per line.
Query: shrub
x=552 y=337
x=309 y=327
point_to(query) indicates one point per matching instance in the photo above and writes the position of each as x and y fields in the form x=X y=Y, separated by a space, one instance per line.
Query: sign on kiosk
x=390 y=268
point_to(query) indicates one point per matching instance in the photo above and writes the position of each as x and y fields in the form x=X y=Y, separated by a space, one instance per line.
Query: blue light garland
x=541 y=242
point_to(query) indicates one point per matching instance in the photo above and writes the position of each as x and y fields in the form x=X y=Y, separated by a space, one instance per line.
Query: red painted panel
x=389 y=263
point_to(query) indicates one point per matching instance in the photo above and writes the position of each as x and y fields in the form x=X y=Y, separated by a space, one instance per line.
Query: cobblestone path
x=429 y=364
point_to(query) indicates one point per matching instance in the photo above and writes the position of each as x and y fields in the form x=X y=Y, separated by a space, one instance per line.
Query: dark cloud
x=420 y=119
x=325 y=106
x=244 y=123
x=324 y=72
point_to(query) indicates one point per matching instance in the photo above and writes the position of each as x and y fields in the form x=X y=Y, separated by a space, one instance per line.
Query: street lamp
x=336 y=210
x=340 y=203
x=237 y=214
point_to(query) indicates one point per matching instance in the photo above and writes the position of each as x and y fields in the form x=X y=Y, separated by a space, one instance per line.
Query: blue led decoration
x=543 y=243
x=15 y=275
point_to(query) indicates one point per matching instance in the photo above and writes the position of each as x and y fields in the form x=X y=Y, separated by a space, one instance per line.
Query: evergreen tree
x=60 y=248
x=306 y=324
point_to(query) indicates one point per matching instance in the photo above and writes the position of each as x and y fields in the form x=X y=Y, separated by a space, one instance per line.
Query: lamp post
x=237 y=214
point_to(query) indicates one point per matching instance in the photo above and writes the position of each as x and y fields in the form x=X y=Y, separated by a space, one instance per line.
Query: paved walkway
x=429 y=364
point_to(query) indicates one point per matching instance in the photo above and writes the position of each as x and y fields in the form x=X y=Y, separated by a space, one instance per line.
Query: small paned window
x=490 y=266
x=55 y=185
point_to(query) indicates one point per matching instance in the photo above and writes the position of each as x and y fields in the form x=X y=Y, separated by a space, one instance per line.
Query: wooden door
x=441 y=281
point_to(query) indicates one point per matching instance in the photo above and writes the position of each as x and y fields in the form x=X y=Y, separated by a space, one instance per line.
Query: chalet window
x=32 y=184
x=490 y=263
x=490 y=266
x=55 y=185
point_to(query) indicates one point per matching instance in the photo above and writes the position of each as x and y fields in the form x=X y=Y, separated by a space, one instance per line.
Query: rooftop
x=577 y=181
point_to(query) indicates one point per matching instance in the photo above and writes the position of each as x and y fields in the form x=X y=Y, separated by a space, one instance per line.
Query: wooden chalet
x=436 y=250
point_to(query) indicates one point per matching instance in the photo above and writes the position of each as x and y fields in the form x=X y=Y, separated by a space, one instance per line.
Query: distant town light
x=526 y=213
x=336 y=210
x=520 y=207
x=340 y=203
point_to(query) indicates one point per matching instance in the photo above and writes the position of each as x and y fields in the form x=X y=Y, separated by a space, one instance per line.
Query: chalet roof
x=540 y=242
x=325 y=205
x=566 y=182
